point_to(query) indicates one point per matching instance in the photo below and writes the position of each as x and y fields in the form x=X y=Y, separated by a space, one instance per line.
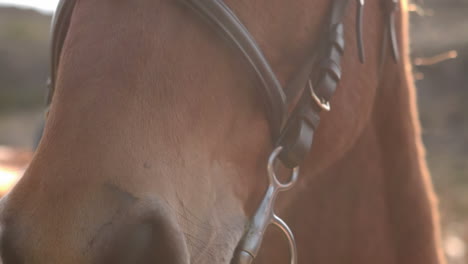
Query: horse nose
x=147 y=242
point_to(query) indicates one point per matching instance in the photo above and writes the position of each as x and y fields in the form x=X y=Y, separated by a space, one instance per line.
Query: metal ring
x=289 y=236
x=272 y=173
x=324 y=105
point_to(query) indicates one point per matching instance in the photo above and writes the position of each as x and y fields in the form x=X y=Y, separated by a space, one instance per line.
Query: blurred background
x=440 y=57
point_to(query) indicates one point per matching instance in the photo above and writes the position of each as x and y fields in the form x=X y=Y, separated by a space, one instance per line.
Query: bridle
x=293 y=111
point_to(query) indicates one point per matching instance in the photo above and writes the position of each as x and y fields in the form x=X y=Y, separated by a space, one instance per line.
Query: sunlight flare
x=8 y=178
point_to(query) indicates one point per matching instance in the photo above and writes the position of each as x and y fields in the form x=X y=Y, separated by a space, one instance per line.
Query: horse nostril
x=147 y=243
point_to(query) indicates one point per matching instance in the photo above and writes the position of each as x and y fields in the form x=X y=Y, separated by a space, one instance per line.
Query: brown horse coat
x=155 y=147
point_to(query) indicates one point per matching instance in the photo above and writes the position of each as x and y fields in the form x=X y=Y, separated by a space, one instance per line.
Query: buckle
x=324 y=105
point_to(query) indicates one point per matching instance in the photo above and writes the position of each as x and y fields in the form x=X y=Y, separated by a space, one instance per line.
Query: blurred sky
x=42 y=5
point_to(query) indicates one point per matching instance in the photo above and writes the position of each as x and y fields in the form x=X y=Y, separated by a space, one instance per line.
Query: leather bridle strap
x=315 y=89
x=297 y=137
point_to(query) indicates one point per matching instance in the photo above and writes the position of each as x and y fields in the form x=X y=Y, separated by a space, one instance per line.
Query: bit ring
x=273 y=176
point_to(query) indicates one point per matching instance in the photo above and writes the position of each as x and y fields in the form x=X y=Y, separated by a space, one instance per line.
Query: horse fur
x=156 y=145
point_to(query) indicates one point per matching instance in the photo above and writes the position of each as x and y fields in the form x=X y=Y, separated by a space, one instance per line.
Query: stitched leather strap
x=297 y=137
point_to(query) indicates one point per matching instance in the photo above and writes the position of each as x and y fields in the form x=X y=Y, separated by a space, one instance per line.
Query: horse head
x=157 y=139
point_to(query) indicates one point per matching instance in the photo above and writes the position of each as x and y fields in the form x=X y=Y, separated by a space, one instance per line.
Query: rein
x=293 y=111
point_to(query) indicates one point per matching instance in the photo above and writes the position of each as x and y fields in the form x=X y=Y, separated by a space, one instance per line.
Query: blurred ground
x=439 y=33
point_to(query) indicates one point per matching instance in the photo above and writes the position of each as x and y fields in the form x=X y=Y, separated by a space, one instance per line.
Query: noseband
x=293 y=111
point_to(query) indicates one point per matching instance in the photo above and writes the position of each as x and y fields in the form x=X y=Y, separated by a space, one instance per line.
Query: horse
x=157 y=140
